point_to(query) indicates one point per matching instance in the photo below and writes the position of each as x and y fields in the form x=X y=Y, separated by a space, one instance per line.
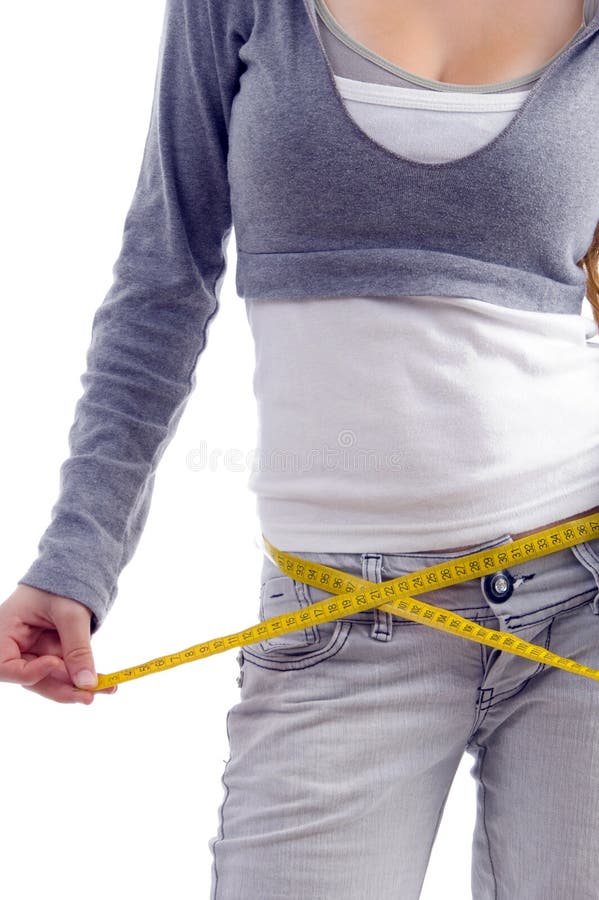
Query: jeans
x=347 y=736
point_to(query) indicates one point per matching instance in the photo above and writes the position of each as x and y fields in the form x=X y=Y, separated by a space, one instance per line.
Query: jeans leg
x=536 y=750
x=340 y=768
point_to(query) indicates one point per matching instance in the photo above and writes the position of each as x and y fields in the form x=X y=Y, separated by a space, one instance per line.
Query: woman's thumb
x=72 y=625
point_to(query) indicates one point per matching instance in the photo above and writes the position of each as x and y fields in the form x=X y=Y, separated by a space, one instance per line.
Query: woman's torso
x=300 y=372
x=458 y=42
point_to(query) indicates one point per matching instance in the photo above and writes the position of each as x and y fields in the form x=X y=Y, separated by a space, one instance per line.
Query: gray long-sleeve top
x=151 y=327
x=240 y=85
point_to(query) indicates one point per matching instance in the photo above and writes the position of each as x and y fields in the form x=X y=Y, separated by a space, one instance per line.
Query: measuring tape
x=355 y=594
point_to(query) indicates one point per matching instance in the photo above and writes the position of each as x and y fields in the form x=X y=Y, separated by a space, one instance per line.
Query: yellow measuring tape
x=355 y=594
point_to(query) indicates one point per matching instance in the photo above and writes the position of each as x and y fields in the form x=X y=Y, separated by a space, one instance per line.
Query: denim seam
x=484 y=748
x=221 y=830
x=479 y=721
x=541 y=665
x=550 y=605
x=478 y=705
x=544 y=619
x=438 y=822
x=484 y=704
x=484 y=815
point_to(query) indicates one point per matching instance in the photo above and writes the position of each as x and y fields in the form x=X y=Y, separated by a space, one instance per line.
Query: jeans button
x=499 y=586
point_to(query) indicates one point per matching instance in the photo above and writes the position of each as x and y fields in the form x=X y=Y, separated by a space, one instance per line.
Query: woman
x=429 y=172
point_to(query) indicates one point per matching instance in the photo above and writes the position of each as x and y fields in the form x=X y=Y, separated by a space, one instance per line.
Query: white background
x=121 y=798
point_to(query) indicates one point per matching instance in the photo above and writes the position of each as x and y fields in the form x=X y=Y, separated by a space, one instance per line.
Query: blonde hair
x=590 y=264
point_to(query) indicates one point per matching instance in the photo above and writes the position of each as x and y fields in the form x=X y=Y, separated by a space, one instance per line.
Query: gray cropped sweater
x=247 y=129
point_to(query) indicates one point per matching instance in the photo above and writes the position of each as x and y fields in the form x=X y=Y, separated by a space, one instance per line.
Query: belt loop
x=382 y=627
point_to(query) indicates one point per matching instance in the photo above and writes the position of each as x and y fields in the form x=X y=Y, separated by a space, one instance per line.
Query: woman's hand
x=45 y=645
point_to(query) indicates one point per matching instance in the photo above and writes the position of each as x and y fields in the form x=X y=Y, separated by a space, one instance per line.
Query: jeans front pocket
x=281 y=594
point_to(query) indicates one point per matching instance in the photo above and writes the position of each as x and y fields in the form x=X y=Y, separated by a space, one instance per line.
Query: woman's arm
x=152 y=325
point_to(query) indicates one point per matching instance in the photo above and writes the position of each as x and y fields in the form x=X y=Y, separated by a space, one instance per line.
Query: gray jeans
x=347 y=736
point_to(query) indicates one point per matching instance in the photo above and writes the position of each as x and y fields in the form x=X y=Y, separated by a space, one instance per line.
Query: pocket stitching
x=304 y=660
x=275 y=654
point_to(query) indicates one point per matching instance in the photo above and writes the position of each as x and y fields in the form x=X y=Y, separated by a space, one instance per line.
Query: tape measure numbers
x=352 y=594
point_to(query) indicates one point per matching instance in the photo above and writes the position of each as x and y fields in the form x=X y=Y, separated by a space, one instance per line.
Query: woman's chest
x=308 y=184
x=461 y=41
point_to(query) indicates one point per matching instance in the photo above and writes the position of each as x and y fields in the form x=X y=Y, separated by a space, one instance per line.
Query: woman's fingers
x=16 y=668
x=59 y=674
x=45 y=646
x=61 y=690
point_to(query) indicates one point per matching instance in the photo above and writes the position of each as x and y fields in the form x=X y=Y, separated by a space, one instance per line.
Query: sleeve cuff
x=69 y=586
